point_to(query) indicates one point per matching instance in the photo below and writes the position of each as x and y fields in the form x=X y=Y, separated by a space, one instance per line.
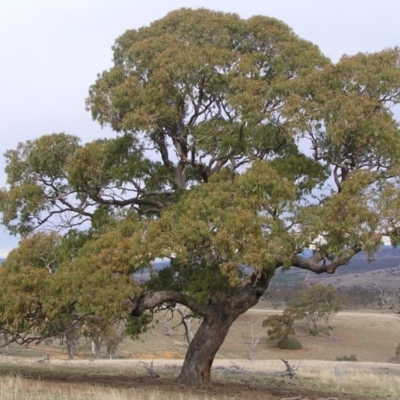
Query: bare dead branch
x=150 y=369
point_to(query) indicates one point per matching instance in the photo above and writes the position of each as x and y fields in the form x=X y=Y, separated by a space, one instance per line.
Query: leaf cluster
x=280 y=327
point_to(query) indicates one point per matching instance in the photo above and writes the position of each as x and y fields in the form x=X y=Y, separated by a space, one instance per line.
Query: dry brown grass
x=371 y=336
x=358 y=380
x=375 y=380
x=18 y=388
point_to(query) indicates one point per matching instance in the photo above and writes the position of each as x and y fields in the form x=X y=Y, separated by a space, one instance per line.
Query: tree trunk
x=6 y=340
x=218 y=312
x=188 y=327
x=218 y=318
x=331 y=336
x=69 y=343
x=96 y=347
x=196 y=370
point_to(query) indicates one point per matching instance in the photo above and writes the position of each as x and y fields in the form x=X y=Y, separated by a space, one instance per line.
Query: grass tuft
x=351 y=357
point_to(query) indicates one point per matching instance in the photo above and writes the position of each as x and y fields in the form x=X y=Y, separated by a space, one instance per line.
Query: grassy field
x=316 y=380
x=370 y=335
x=18 y=388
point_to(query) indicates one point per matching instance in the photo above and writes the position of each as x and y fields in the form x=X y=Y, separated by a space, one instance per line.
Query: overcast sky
x=51 y=51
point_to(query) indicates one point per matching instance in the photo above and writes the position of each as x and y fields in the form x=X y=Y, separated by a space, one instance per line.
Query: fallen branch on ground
x=235 y=369
x=293 y=398
x=45 y=360
x=150 y=369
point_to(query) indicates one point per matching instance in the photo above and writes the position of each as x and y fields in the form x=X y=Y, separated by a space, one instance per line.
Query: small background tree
x=113 y=337
x=252 y=337
x=318 y=302
x=282 y=326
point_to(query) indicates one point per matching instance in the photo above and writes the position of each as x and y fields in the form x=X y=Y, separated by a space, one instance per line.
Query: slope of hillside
x=383 y=270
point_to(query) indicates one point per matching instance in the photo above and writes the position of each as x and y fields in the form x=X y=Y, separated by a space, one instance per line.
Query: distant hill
x=1 y=260
x=383 y=271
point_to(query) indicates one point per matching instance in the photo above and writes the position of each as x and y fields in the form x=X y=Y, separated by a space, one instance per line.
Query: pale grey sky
x=51 y=51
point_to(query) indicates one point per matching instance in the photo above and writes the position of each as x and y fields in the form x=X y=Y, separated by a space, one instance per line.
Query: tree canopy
x=237 y=145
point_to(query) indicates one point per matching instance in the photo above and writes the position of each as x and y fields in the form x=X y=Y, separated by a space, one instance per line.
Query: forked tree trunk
x=196 y=370
x=218 y=315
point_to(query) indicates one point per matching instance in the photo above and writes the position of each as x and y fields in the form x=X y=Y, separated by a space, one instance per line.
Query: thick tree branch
x=319 y=263
x=146 y=301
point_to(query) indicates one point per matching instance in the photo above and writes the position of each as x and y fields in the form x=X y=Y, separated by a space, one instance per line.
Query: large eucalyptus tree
x=237 y=146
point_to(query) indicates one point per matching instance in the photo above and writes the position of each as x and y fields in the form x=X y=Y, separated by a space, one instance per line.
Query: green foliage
x=318 y=302
x=207 y=261
x=137 y=325
x=313 y=332
x=282 y=326
x=40 y=250
x=49 y=279
x=290 y=343
x=36 y=174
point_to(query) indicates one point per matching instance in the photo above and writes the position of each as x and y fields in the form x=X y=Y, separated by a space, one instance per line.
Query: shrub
x=281 y=326
x=313 y=332
x=351 y=357
x=290 y=343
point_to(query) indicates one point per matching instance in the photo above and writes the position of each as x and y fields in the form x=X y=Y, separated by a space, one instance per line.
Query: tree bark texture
x=196 y=369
